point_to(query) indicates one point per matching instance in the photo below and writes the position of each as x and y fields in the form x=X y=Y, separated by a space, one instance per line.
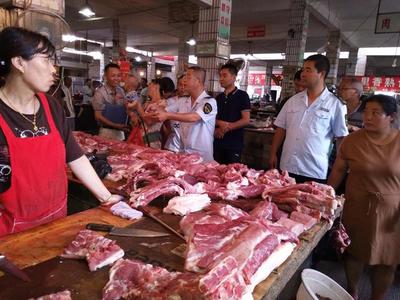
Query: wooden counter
x=46 y=242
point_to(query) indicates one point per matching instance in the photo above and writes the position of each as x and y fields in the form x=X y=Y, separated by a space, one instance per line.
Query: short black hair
x=167 y=85
x=110 y=65
x=297 y=75
x=388 y=103
x=201 y=73
x=231 y=68
x=16 y=41
x=321 y=63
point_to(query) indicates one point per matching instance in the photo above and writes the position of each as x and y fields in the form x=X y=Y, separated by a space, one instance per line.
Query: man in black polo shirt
x=233 y=114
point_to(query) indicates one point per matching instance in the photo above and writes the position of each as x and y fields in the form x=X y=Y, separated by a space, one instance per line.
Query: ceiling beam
x=328 y=16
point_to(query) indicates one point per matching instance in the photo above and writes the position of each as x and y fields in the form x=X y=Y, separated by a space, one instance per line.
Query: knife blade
x=120 y=231
x=7 y=266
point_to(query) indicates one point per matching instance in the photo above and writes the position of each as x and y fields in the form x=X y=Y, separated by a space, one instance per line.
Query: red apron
x=38 y=190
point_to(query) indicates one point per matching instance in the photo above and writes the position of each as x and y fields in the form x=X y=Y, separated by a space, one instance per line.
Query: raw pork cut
x=64 y=295
x=98 y=250
x=306 y=220
x=267 y=210
x=132 y=279
x=167 y=187
x=295 y=227
x=182 y=205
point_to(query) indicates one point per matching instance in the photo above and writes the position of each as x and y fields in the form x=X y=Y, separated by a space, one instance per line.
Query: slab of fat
x=182 y=205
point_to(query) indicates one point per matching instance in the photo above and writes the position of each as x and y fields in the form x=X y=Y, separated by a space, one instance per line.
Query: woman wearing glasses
x=371 y=212
x=35 y=141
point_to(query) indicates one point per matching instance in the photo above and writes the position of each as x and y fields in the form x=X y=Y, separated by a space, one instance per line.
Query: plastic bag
x=99 y=164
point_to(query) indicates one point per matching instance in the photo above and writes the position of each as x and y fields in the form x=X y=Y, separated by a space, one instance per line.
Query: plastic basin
x=314 y=282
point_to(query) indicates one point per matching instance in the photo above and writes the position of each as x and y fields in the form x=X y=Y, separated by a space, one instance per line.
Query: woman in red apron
x=32 y=146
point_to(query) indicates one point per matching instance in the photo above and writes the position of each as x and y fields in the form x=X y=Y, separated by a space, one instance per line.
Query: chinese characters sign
x=256 y=79
x=381 y=83
x=388 y=23
x=225 y=19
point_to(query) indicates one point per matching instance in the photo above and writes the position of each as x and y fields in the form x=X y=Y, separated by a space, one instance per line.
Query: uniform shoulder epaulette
x=338 y=97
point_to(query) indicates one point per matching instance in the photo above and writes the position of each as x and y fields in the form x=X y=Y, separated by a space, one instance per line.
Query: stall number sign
x=388 y=23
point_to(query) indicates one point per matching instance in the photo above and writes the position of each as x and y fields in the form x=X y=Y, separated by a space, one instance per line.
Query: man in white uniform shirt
x=196 y=115
x=308 y=123
x=173 y=142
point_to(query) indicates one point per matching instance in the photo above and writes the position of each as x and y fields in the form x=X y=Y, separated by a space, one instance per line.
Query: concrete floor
x=335 y=270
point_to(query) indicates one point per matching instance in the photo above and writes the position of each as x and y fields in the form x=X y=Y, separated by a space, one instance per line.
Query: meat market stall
x=247 y=242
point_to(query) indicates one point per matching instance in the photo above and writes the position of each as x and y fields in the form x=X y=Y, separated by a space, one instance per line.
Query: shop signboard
x=381 y=83
x=388 y=23
x=256 y=31
x=256 y=79
x=260 y=79
x=225 y=19
x=388 y=17
x=204 y=49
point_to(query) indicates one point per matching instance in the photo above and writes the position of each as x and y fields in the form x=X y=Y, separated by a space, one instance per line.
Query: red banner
x=256 y=79
x=381 y=83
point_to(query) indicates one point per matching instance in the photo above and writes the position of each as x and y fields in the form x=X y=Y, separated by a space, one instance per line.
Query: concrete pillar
x=361 y=64
x=352 y=62
x=119 y=39
x=333 y=53
x=295 y=44
x=213 y=47
x=183 y=56
x=268 y=78
x=151 y=69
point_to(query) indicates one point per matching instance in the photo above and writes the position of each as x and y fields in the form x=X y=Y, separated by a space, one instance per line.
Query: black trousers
x=227 y=156
x=302 y=179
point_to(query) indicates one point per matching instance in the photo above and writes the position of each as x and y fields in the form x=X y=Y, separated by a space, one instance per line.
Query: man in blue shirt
x=233 y=114
x=308 y=123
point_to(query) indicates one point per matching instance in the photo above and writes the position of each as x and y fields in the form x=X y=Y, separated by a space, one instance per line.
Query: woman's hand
x=112 y=199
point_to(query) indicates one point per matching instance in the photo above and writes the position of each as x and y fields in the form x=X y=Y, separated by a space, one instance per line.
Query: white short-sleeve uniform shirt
x=310 y=131
x=197 y=137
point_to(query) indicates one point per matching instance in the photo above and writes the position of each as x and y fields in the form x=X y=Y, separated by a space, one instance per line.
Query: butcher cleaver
x=8 y=267
x=125 y=231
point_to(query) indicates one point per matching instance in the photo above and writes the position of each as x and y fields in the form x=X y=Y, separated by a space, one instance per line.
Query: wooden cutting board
x=58 y=274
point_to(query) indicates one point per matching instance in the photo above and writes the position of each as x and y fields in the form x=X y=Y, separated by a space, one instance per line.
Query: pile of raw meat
x=152 y=173
x=239 y=223
x=228 y=253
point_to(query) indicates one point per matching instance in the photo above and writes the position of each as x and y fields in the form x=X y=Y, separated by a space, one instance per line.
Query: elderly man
x=308 y=123
x=130 y=87
x=196 y=115
x=109 y=105
x=350 y=90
